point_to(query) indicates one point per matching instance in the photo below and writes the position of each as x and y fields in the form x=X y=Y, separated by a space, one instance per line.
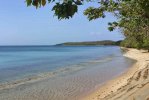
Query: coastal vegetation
x=91 y=43
x=132 y=16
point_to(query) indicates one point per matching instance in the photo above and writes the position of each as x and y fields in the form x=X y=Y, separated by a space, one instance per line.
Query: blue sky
x=21 y=25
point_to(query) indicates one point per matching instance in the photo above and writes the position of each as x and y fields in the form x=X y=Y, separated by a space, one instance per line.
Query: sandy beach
x=131 y=85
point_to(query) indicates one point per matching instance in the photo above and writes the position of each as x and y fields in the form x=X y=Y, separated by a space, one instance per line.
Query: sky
x=22 y=25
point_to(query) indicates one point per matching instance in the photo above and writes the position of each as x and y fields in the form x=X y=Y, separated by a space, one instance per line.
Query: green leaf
x=110 y=28
x=43 y=2
x=29 y=2
x=35 y=3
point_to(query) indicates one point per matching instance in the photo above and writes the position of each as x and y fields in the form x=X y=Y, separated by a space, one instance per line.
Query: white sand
x=132 y=85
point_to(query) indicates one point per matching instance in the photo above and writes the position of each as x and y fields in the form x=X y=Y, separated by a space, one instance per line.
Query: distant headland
x=91 y=43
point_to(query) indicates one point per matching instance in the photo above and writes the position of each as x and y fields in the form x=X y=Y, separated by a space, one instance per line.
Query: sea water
x=68 y=71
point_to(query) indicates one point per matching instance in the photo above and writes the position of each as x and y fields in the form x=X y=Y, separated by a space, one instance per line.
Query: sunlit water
x=65 y=72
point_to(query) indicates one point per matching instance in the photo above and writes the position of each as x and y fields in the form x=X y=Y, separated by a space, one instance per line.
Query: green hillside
x=90 y=43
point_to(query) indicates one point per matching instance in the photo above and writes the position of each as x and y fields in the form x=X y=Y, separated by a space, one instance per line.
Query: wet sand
x=132 y=85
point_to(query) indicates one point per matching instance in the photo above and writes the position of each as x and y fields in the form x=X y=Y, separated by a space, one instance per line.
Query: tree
x=62 y=9
x=132 y=15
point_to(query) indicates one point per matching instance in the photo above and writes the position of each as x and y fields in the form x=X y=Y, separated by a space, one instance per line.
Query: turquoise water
x=57 y=72
x=18 y=62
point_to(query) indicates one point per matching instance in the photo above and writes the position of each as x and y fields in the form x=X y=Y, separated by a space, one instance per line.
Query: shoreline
x=43 y=87
x=128 y=85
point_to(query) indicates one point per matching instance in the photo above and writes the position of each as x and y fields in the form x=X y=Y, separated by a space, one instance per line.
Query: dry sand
x=132 y=85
